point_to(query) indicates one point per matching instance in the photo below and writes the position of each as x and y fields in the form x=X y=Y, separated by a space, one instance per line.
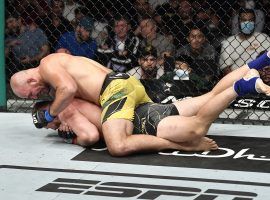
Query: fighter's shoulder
x=53 y=60
x=55 y=57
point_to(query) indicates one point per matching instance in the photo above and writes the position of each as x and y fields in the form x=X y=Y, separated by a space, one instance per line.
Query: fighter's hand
x=68 y=136
x=64 y=127
x=41 y=118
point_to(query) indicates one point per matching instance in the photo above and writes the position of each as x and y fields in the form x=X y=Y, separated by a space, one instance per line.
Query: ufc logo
x=34 y=117
x=140 y=191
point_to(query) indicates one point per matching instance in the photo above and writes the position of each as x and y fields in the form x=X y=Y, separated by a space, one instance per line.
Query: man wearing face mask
x=259 y=16
x=243 y=47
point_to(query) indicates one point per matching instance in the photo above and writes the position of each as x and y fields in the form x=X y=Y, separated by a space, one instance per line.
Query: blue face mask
x=247 y=27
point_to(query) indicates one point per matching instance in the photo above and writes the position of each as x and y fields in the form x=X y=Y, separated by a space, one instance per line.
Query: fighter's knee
x=88 y=139
x=93 y=138
x=201 y=131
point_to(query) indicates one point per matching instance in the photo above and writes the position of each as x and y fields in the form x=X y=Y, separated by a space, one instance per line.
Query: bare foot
x=251 y=74
x=203 y=144
x=260 y=86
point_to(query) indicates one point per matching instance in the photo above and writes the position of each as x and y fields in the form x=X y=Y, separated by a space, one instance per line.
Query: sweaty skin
x=72 y=76
x=83 y=118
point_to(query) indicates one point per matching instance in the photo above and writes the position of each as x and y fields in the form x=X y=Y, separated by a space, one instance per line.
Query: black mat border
x=134 y=175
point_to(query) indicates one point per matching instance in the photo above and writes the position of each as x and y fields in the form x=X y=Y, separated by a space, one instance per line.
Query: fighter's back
x=88 y=74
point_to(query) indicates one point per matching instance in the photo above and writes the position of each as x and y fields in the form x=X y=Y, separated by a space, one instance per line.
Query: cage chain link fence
x=178 y=48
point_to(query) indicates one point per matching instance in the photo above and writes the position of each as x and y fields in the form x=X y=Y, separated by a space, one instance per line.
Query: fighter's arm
x=89 y=110
x=63 y=83
x=86 y=131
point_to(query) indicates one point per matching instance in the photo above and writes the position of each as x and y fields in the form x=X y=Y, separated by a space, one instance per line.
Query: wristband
x=48 y=117
x=260 y=62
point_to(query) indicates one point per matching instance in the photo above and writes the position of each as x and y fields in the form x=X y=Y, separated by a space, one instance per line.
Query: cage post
x=3 y=99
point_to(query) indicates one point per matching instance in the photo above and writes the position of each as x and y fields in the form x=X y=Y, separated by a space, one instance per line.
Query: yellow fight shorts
x=120 y=95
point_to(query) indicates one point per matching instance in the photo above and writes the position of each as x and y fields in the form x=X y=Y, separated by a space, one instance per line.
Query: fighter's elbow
x=119 y=150
x=72 y=88
x=67 y=90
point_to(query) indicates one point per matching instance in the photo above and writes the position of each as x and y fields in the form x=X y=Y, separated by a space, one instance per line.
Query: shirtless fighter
x=119 y=94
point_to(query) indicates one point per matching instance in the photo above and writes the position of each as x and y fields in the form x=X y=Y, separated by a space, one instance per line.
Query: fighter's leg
x=229 y=79
x=120 y=142
x=190 y=107
x=184 y=129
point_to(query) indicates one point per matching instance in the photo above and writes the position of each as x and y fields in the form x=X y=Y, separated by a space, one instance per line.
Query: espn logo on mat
x=139 y=191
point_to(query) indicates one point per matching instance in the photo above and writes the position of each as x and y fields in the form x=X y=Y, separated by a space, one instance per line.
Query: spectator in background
x=12 y=26
x=179 y=23
x=54 y=24
x=12 y=31
x=181 y=71
x=25 y=43
x=202 y=54
x=259 y=18
x=148 y=30
x=69 y=10
x=148 y=66
x=202 y=16
x=80 y=12
x=216 y=31
x=265 y=5
x=198 y=4
x=168 y=8
x=265 y=72
x=142 y=9
x=185 y=13
x=205 y=74
x=100 y=34
x=155 y=3
x=164 y=16
x=30 y=8
x=243 y=47
x=78 y=42
x=202 y=73
x=122 y=47
x=182 y=68
x=198 y=48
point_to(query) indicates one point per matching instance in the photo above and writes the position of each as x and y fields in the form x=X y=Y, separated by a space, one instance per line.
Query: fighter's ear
x=31 y=80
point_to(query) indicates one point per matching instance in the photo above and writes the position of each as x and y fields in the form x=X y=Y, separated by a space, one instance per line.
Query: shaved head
x=27 y=83
x=18 y=81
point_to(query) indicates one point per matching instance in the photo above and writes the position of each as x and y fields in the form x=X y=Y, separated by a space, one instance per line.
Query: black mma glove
x=41 y=118
x=68 y=136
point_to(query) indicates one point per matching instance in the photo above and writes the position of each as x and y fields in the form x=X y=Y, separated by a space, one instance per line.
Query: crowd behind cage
x=167 y=39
